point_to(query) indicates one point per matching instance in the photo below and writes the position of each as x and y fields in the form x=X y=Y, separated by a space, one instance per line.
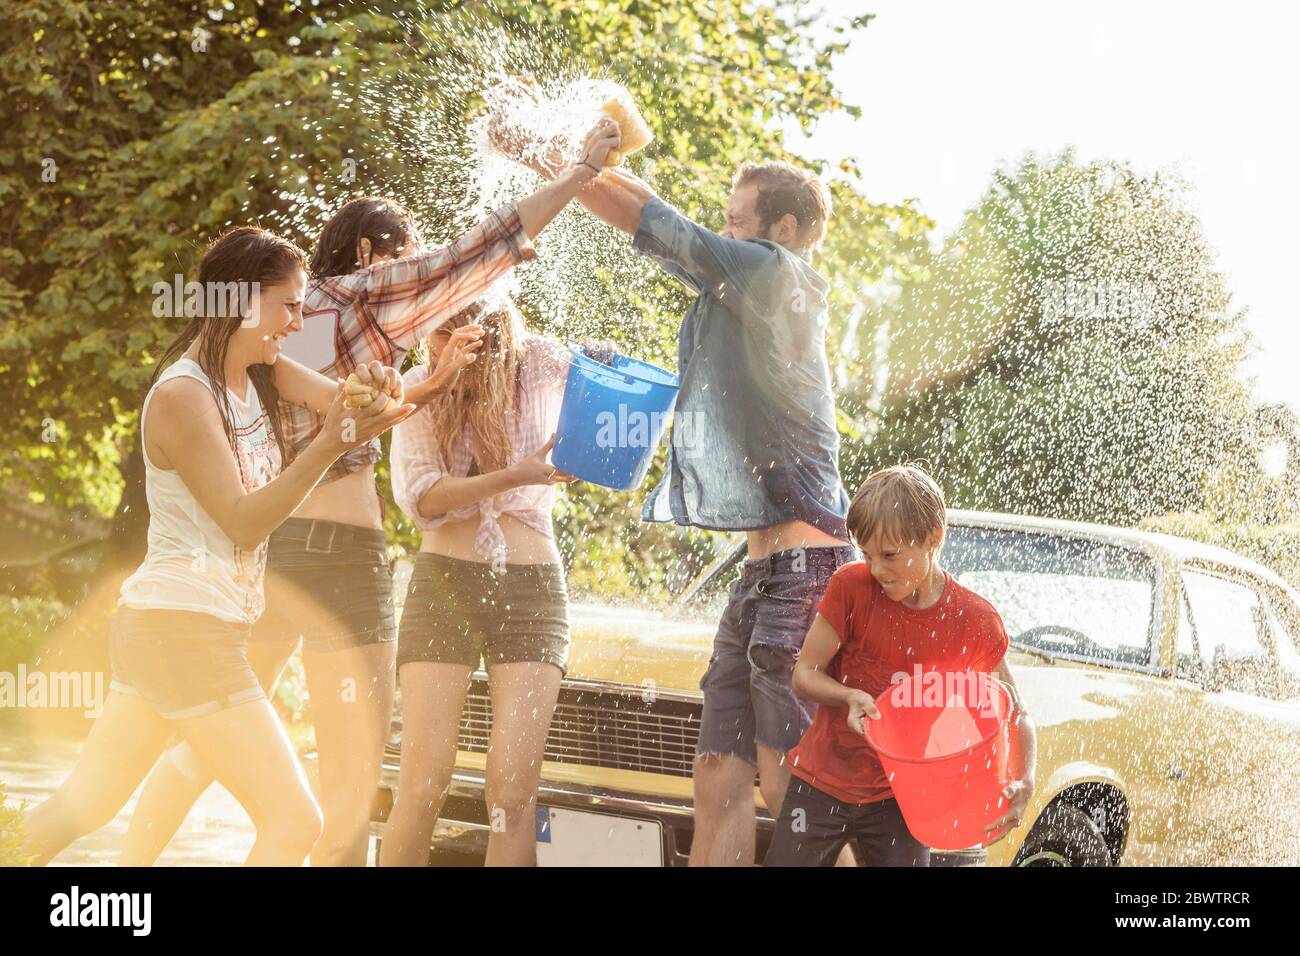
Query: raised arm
x=409 y=298
x=537 y=211
x=184 y=432
x=618 y=198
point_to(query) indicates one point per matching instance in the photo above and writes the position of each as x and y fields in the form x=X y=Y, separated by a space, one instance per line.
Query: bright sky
x=949 y=89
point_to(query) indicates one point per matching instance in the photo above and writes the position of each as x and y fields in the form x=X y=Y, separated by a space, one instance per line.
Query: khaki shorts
x=462 y=612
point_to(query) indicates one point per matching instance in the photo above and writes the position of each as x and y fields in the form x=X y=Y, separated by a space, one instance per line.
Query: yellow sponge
x=632 y=128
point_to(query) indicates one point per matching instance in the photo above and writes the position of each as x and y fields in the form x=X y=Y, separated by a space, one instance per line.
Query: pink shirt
x=383 y=311
x=417 y=462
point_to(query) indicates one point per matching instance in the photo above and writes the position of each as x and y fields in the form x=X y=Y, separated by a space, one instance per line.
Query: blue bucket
x=612 y=419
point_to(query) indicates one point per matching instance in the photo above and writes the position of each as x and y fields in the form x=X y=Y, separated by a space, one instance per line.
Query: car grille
x=620 y=731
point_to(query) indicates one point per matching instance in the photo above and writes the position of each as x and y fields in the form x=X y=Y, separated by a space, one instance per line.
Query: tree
x=1070 y=352
x=136 y=131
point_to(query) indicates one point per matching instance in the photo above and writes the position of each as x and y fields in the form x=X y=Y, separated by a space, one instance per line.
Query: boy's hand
x=1017 y=794
x=861 y=705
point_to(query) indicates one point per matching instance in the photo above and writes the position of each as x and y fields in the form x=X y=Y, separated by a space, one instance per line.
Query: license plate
x=574 y=838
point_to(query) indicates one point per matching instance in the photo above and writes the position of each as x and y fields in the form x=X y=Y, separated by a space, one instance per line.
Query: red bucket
x=943 y=740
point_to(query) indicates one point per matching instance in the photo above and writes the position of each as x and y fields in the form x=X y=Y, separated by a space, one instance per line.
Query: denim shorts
x=748 y=701
x=814 y=826
x=328 y=583
x=184 y=663
x=463 y=612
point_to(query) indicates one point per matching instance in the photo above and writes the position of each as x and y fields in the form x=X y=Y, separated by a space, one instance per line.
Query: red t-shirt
x=880 y=637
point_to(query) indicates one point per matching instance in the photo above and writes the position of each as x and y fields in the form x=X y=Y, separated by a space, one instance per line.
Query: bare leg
x=724 y=811
x=249 y=753
x=523 y=700
x=352 y=709
x=433 y=696
x=773 y=778
x=123 y=744
x=178 y=779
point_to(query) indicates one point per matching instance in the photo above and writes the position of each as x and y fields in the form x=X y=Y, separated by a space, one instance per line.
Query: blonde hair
x=485 y=393
x=902 y=503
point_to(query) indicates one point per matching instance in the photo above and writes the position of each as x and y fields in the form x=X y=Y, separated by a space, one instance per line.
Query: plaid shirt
x=418 y=463
x=383 y=312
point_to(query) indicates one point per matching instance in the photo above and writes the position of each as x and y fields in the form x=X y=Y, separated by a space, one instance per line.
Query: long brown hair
x=242 y=255
x=485 y=393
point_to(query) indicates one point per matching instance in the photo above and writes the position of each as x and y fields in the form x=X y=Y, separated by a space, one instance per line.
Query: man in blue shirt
x=754 y=449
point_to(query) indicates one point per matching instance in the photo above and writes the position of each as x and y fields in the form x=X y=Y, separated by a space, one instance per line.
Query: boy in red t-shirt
x=879 y=620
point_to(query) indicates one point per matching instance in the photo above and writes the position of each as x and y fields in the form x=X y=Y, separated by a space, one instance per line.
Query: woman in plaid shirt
x=374 y=296
x=470 y=469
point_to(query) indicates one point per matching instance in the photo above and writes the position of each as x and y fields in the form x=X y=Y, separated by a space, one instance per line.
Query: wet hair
x=388 y=225
x=242 y=255
x=485 y=394
x=785 y=189
x=902 y=503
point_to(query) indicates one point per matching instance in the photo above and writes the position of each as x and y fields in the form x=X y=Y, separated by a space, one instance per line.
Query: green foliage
x=1277 y=547
x=1070 y=352
x=25 y=624
x=136 y=131
x=157 y=124
x=11 y=834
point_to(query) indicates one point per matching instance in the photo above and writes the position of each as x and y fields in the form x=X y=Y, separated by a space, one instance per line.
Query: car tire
x=1064 y=836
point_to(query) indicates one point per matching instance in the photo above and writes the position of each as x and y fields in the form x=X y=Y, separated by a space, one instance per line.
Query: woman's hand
x=534 y=469
x=861 y=705
x=459 y=353
x=346 y=428
x=370 y=382
x=600 y=139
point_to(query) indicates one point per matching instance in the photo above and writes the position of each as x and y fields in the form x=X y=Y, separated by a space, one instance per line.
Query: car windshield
x=1063 y=596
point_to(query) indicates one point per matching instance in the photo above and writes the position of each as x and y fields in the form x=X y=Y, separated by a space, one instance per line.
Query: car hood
x=635 y=646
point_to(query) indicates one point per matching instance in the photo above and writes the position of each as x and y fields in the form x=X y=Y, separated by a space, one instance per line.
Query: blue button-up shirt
x=754 y=441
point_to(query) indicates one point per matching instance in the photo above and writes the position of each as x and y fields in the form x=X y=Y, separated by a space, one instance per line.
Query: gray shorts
x=329 y=584
x=748 y=700
x=463 y=612
x=184 y=663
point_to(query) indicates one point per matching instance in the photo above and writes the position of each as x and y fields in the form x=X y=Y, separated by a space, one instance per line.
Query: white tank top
x=192 y=565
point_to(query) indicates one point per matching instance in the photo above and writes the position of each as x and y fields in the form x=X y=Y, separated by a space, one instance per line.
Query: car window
x=710 y=598
x=1225 y=613
x=1282 y=624
x=1231 y=621
x=1065 y=596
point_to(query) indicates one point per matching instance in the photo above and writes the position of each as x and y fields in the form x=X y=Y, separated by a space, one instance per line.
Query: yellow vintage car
x=1162 y=674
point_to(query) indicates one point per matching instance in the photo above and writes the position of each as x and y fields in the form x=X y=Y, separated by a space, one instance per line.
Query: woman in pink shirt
x=471 y=470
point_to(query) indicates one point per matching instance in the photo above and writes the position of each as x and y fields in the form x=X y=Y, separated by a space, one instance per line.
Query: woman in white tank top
x=217 y=486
